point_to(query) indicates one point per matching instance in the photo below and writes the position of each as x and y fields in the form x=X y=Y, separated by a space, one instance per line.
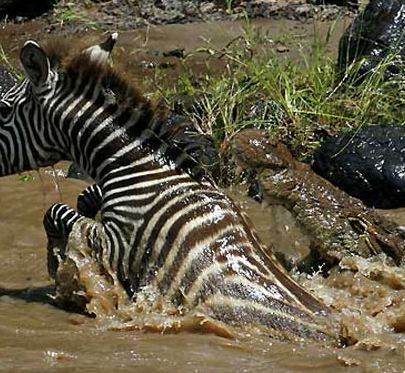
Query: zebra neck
x=118 y=152
x=97 y=137
x=100 y=136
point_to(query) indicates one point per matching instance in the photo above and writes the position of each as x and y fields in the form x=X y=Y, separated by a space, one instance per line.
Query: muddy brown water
x=38 y=337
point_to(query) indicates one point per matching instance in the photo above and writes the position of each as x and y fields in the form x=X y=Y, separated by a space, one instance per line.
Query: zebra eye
x=5 y=109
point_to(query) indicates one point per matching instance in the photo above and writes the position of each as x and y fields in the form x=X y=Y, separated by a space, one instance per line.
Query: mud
x=142 y=54
x=79 y=16
x=37 y=336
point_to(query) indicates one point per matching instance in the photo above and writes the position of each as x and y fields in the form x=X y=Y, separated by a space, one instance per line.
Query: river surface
x=36 y=336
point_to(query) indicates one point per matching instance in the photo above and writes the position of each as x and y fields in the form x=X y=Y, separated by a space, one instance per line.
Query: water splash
x=83 y=283
x=368 y=296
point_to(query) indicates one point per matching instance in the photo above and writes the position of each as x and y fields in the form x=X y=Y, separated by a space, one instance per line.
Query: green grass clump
x=298 y=101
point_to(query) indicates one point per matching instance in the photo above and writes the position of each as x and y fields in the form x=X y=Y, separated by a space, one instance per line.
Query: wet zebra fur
x=164 y=223
x=89 y=201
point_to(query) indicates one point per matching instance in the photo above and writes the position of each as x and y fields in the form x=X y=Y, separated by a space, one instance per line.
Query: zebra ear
x=100 y=52
x=35 y=62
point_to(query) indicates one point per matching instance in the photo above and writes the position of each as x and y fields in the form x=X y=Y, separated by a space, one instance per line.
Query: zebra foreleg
x=58 y=223
x=89 y=201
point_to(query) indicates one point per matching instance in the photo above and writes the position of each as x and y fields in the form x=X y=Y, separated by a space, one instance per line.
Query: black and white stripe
x=164 y=224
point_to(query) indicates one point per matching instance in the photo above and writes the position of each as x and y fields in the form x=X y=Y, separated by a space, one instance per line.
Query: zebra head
x=29 y=136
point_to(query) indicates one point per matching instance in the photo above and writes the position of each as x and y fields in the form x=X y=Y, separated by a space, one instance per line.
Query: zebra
x=163 y=220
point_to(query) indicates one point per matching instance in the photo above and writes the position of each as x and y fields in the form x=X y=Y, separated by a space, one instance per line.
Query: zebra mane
x=74 y=61
x=153 y=118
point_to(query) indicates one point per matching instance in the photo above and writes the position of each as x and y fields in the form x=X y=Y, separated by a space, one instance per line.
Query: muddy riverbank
x=142 y=54
x=78 y=16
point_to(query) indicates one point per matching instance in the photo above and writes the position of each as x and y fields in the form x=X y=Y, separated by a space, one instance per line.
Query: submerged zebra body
x=164 y=223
